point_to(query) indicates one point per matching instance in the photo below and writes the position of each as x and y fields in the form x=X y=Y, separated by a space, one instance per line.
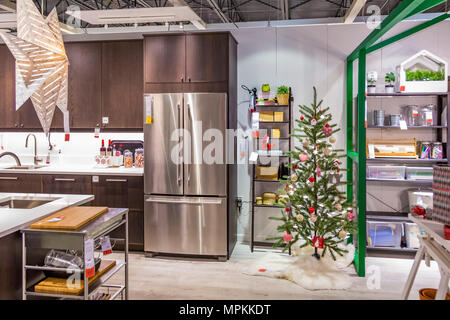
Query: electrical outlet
x=239 y=202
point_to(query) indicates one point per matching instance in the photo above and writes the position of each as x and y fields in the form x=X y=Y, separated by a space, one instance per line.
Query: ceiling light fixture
x=138 y=18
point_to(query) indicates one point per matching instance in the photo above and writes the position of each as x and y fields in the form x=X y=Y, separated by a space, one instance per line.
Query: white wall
x=303 y=57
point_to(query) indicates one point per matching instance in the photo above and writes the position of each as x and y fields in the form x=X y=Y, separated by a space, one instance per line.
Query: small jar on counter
x=139 y=158
x=128 y=159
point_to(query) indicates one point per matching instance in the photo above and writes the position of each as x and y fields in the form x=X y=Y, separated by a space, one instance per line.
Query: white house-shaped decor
x=423 y=72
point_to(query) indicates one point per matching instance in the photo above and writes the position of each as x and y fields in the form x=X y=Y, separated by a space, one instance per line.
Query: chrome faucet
x=36 y=160
x=12 y=155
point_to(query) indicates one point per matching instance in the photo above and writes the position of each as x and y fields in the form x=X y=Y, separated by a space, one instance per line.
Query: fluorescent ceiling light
x=139 y=15
x=142 y=19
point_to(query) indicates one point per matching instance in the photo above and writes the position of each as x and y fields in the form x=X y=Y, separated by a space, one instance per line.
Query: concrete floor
x=165 y=278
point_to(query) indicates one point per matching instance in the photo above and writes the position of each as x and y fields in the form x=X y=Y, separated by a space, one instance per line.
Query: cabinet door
x=206 y=57
x=122 y=84
x=164 y=59
x=85 y=87
x=124 y=192
x=21 y=183
x=119 y=192
x=8 y=115
x=66 y=184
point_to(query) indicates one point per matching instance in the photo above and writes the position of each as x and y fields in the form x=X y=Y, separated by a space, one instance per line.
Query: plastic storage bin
x=412 y=232
x=384 y=234
x=420 y=199
x=386 y=172
x=419 y=173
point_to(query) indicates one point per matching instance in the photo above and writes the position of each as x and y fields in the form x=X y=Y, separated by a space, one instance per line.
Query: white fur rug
x=305 y=270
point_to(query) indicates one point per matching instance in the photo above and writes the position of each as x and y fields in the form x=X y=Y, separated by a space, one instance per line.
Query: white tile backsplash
x=80 y=150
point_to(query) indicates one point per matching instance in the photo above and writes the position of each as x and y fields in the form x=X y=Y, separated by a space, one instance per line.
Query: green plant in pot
x=283 y=95
x=425 y=75
x=389 y=79
x=372 y=78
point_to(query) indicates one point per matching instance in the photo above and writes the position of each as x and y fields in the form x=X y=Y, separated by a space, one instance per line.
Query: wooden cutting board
x=70 y=218
x=59 y=285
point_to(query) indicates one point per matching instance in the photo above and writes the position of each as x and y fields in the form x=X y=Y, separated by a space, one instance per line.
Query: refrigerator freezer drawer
x=186 y=225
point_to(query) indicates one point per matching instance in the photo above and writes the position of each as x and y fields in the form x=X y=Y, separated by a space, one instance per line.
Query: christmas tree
x=317 y=212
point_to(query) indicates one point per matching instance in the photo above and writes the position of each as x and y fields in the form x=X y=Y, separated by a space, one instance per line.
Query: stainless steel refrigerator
x=185 y=197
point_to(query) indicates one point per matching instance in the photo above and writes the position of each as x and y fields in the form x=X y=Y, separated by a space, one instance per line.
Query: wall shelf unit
x=356 y=113
x=269 y=185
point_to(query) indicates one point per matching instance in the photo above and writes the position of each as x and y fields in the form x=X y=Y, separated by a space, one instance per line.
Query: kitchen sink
x=24 y=202
x=25 y=167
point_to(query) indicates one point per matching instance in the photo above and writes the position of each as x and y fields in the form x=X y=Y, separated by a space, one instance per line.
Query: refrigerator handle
x=191 y=155
x=179 y=164
x=185 y=201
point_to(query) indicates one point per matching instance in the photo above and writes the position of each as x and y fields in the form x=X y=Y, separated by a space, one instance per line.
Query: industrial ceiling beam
x=353 y=11
x=284 y=6
x=218 y=11
x=299 y=4
x=199 y=24
x=12 y=8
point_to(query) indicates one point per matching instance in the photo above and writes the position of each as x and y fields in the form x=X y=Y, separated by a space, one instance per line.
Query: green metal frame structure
x=405 y=9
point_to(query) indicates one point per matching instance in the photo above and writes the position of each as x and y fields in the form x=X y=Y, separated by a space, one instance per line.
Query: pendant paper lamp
x=41 y=63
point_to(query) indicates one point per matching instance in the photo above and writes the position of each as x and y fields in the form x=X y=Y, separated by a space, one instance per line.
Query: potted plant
x=372 y=78
x=283 y=95
x=389 y=79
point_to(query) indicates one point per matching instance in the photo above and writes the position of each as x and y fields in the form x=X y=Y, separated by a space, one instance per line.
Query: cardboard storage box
x=279 y=116
x=276 y=133
x=267 y=173
x=266 y=116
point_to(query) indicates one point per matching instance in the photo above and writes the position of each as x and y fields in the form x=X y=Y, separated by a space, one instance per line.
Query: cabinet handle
x=116 y=180
x=9 y=178
x=65 y=179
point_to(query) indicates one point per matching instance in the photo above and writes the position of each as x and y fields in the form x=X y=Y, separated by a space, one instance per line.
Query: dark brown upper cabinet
x=188 y=62
x=25 y=117
x=122 y=84
x=165 y=57
x=9 y=118
x=85 y=83
x=207 y=57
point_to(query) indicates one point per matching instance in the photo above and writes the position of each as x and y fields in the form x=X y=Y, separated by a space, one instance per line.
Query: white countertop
x=76 y=169
x=12 y=220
